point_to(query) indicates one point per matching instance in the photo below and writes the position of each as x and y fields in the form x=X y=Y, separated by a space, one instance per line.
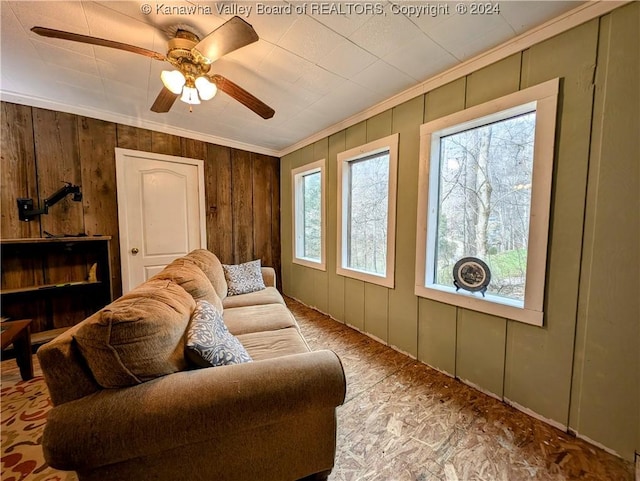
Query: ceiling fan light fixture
x=190 y=96
x=206 y=89
x=173 y=80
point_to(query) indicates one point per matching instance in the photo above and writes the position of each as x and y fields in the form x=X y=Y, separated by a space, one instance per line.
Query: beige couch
x=127 y=406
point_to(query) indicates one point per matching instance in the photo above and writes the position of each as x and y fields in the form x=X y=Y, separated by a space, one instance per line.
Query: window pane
x=484 y=202
x=311 y=198
x=367 y=214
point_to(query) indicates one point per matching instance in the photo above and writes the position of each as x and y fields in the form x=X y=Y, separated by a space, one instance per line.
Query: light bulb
x=206 y=88
x=190 y=96
x=173 y=80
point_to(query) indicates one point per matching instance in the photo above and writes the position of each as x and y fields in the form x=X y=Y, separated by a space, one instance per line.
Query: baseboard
x=442 y=371
x=539 y=417
x=478 y=388
x=600 y=445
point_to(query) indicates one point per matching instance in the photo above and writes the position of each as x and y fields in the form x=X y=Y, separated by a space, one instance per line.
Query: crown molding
x=39 y=102
x=577 y=16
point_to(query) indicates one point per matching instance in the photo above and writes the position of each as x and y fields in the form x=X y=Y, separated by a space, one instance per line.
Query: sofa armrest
x=188 y=407
x=269 y=276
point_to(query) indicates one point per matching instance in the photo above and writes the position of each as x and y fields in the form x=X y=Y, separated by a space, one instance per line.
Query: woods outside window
x=485 y=184
x=367 y=178
x=308 y=187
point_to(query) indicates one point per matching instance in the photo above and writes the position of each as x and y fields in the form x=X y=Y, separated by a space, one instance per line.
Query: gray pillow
x=209 y=342
x=243 y=278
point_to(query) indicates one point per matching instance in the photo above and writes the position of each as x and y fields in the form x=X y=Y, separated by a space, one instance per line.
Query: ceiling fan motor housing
x=180 y=55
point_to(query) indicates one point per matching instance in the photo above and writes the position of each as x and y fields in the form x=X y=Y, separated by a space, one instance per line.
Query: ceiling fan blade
x=230 y=36
x=242 y=96
x=164 y=101
x=101 y=42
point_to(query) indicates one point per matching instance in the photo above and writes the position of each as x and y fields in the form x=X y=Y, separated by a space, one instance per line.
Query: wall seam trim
x=583 y=253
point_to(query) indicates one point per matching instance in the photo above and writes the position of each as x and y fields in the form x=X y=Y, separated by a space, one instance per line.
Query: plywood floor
x=403 y=421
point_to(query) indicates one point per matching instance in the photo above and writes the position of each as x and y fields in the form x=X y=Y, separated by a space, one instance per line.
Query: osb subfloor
x=403 y=421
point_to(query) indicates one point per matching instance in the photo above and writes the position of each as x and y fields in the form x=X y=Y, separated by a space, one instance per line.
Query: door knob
x=134 y=251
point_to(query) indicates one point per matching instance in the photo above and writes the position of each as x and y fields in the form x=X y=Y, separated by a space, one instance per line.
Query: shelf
x=43 y=337
x=51 y=240
x=46 y=287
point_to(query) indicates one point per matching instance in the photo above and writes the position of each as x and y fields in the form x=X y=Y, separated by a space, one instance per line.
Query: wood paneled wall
x=41 y=148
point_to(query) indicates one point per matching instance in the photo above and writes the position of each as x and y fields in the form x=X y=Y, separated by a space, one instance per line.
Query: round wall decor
x=471 y=274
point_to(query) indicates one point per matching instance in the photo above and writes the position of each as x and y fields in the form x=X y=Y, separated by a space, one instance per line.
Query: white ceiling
x=315 y=70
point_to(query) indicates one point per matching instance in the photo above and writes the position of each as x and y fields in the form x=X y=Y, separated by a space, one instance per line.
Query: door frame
x=128 y=155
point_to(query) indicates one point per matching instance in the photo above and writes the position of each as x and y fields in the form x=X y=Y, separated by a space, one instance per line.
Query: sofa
x=129 y=405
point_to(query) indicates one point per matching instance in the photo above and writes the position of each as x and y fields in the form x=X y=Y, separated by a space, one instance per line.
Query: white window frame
x=297 y=177
x=543 y=98
x=385 y=144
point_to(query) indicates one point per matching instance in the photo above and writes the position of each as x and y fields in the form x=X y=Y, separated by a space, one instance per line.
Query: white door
x=161 y=211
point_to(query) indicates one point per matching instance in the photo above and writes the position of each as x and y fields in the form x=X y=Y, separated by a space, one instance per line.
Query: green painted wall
x=604 y=401
x=582 y=369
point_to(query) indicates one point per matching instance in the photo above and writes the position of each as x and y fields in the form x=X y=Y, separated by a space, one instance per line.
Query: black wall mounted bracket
x=26 y=212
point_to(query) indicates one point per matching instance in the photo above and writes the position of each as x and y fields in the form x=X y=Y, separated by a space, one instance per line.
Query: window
x=309 y=215
x=485 y=187
x=367 y=178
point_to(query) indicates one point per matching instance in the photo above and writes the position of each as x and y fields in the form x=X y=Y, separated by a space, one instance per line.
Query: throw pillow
x=209 y=342
x=243 y=278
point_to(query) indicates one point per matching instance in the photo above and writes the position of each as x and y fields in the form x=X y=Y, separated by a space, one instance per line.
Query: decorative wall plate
x=471 y=274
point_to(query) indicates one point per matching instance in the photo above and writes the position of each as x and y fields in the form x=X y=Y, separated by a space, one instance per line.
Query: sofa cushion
x=268 y=295
x=266 y=317
x=209 y=342
x=138 y=337
x=271 y=344
x=243 y=278
x=187 y=274
x=67 y=375
x=212 y=267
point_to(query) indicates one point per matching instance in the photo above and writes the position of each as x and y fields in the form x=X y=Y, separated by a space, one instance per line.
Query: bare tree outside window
x=368 y=213
x=307 y=185
x=367 y=180
x=312 y=221
x=484 y=202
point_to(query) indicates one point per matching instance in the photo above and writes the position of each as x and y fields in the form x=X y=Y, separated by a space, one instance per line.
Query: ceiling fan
x=191 y=57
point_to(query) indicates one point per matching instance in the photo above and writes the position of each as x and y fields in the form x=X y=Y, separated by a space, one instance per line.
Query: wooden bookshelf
x=56 y=281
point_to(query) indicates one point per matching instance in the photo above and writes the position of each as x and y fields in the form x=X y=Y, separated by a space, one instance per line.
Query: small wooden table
x=19 y=333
